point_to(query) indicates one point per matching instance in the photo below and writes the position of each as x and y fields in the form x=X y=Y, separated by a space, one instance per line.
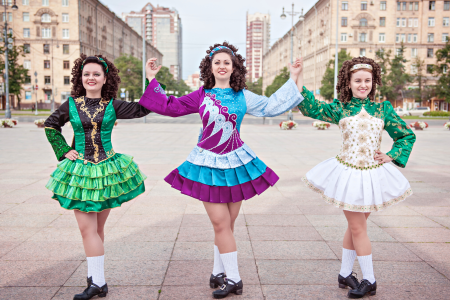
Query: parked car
x=401 y=112
x=418 y=111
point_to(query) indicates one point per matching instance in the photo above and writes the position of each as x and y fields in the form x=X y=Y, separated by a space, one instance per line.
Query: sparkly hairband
x=217 y=49
x=100 y=59
x=361 y=66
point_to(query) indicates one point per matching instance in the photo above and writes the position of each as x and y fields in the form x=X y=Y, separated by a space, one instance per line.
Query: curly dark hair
x=345 y=93
x=111 y=86
x=237 y=79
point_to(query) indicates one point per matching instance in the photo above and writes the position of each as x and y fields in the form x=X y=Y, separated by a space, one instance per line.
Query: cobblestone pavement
x=160 y=245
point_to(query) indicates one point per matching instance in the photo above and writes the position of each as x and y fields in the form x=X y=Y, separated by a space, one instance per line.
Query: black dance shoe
x=228 y=288
x=217 y=280
x=89 y=281
x=349 y=281
x=364 y=287
x=92 y=291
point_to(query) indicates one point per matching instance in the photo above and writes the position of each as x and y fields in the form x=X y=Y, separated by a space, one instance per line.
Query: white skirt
x=358 y=190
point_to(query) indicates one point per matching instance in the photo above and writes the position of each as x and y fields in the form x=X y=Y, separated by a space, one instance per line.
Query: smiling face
x=361 y=84
x=93 y=78
x=222 y=66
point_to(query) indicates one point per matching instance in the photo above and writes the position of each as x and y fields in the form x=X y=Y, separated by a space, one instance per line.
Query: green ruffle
x=110 y=179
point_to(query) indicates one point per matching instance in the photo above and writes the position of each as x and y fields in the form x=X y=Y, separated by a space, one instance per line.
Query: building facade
x=193 y=81
x=55 y=33
x=162 y=28
x=363 y=28
x=258 y=43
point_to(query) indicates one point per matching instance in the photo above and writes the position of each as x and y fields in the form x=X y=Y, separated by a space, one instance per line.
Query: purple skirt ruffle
x=222 y=194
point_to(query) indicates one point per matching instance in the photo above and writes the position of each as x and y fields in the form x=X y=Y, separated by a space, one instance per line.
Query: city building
x=258 y=43
x=54 y=34
x=163 y=30
x=194 y=82
x=364 y=27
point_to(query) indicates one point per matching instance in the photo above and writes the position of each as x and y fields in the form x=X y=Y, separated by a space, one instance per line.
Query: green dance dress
x=99 y=178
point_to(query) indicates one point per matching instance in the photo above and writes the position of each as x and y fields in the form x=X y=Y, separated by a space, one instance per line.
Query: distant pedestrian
x=359 y=180
x=221 y=170
x=91 y=178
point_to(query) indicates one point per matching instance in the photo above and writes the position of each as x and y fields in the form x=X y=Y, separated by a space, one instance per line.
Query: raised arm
x=53 y=126
x=129 y=110
x=402 y=135
x=313 y=108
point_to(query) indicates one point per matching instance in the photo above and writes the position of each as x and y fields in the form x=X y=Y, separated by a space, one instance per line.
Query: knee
x=221 y=225
x=357 y=230
x=87 y=231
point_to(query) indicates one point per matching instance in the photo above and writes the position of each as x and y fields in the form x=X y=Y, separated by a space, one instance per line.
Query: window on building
x=398 y=51
x=362 y=52
x=403 y=22
x=66 y=80
x=416 y=22
x=444 y=69
x=409 y=38
x=65 y=33
x=65 y=49
x=45 y=2
x=25 y=2
x=445 y=21
x=403 y=37
x=363 y=22
x=410 y=22
x=344 y=5
x=26 y=48
x=65 y=18
x=46 y=64
x=26 y=32
x=415 y=38
x=411 y=5
x=381 y=38
x=413 y=69
x=26 y=16
x=45 y=18
x=413 y=52
x=46 y=48
x=27 y=64
x=446 y=5
x=344 y=22
x=343 y=37
x=398 y=22
x=397 y=38
x=431 y=22
x=382 y=5
x=444 y=37
x=47 y=80
x=430 y=38
x=65 y=2
x=66 y=65
x=9 y=17
x=431 y=5
x=430 y=69
x=430 y=52
x=403 y=5
x=363 y=37
x=27 y=80
x=382 y=21
x=363 y=5
x=399 y=6
x=46 y=33
x=416 y=6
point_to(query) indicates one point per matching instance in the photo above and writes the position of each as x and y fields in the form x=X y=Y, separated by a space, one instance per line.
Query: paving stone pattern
x=160 y=245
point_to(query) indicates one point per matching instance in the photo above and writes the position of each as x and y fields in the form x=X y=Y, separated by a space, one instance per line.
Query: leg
x=87 y=223
x=220 y=218
x=101 y=220
x=234 y=212
x=348 y=240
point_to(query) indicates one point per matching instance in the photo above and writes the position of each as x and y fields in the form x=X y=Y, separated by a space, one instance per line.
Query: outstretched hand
x=296 y=68
x=381 y=157
x=151 y=68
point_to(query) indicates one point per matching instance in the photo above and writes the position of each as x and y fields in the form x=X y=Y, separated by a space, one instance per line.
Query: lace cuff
x=58 y=142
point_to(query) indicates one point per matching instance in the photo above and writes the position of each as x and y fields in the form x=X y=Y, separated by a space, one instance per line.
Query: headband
x=99 y=59
x=217 y=49
x=361 y=66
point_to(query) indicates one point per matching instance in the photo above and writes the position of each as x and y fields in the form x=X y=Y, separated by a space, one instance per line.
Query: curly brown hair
x=345 y=93
x=111 y=86
x=237 y=79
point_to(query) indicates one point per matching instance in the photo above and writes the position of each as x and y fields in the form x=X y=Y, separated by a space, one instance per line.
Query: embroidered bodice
x=361 y=122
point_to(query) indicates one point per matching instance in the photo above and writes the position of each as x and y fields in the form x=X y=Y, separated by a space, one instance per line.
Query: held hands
x=381 y=157
x=151 y=69
x=72 y=155
x=296 y=69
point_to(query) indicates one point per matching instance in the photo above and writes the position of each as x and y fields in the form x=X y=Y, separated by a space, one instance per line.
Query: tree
x=255 y=87
x=419 y=66
x=398 y=78
x=327 y=88
x=130 y=75
x=441 y=69
x=17 y=73
x=178 y=88
x=383 y=59
x=278 y=82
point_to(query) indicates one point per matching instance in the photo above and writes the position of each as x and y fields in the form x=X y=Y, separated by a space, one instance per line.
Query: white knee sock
x=96 y=269
x=348 y=258
x=365 y=262
x=230 y=264
x=218 y=265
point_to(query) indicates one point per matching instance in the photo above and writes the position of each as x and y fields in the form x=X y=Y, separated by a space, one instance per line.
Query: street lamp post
x=35 y=91
x=336 y=51
x=283 y=16
x=7 y=110
x=144 y=48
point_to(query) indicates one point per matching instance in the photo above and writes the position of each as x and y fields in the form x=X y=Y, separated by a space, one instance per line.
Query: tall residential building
x=163 y=30
x=364 y=27
x=258 y=43
x=54 y=33
x=194 y=82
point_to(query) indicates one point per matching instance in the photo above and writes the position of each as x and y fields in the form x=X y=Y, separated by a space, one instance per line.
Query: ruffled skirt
x=233 y=177
x=96 y=187
x=358 y=190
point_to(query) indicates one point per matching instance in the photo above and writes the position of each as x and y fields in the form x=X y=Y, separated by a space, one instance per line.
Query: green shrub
x=436 y=113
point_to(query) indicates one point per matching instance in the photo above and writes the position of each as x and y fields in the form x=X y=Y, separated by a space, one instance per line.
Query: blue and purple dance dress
x=221 y=168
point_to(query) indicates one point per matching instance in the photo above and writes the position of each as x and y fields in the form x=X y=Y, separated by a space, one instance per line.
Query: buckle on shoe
x=224 y=286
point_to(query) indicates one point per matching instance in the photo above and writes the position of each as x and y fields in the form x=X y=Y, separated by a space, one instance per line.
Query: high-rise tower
x=258 y=43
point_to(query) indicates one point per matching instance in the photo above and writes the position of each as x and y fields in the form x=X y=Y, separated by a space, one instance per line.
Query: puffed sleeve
x=402 y=135
x=286 y=98
x=129 y=110
x=53 y=126
x=313 y=108
x=156 y=100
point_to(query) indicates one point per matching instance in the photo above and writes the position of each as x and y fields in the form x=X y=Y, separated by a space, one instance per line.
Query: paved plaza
x=160 y=245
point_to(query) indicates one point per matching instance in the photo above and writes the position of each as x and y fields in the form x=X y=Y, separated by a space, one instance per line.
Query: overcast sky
x=206 y=22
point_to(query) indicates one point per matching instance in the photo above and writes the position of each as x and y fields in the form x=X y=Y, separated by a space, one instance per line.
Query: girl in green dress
x=91 y=178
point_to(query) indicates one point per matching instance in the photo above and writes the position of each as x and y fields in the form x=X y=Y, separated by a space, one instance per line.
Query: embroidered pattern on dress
x=159 y=89
x=357 y=208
